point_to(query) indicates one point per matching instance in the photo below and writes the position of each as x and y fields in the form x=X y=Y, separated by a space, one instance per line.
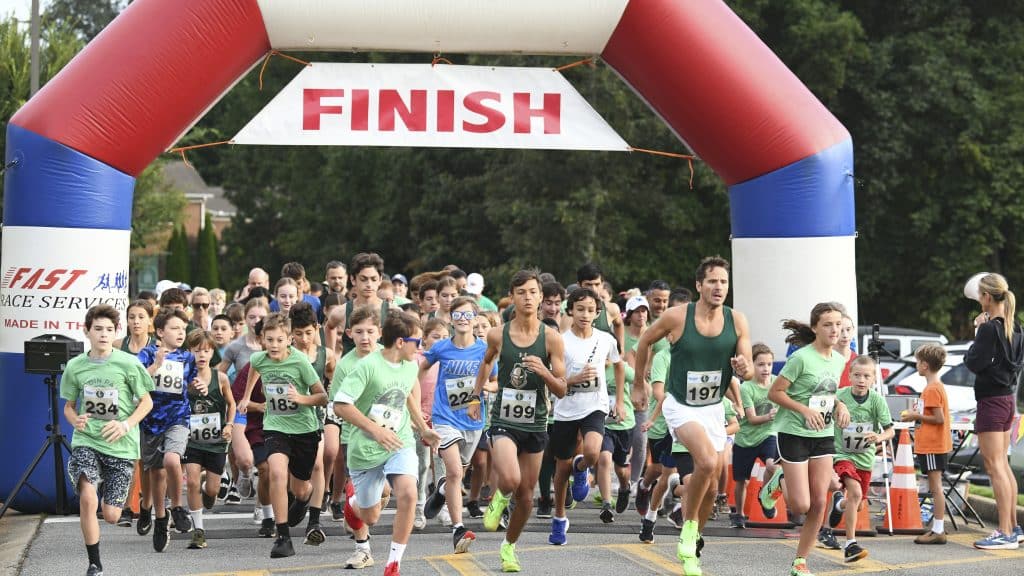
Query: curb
x=16 y=534
x=986 y=508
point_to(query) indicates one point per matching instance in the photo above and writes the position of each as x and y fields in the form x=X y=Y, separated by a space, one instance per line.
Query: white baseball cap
x=636 y=302
x=972 y=289
x=164 y=285
x=475 y=284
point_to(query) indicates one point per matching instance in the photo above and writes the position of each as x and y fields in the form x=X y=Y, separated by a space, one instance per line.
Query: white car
x=959 y=381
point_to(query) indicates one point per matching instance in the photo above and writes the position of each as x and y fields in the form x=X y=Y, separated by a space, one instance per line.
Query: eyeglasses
x=467 y=315
x=417 y=341
x=203 y=305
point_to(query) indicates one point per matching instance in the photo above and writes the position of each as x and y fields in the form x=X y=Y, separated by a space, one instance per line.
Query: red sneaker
x=392 y=569
x=351 y=518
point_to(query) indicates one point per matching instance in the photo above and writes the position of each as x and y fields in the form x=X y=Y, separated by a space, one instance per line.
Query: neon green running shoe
x=800 y=568
x=509 y=562
x=687 y=547
x=493 y=514
x=691 y=566
x=770 y=493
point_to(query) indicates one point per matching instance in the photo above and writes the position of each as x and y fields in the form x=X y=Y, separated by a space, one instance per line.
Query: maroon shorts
x=846 y=469
x=995 y=414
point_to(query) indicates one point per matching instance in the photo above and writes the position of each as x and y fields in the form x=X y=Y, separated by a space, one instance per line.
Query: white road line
x=207 y=517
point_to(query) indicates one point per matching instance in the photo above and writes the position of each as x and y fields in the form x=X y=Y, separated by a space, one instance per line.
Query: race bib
x=459 y=391
x=100 y=403
x=278 y=403
x=855 y=438
x=703 y=388
x=518 y=405
x=824 y=404
x=170 y=377
x=386 y=416
x=204 y=428
x=581 y=387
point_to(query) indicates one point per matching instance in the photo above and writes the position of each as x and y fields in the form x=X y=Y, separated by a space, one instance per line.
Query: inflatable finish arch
x=146 y=79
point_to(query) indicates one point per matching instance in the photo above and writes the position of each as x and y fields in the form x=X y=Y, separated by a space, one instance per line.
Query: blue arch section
x=55 y=186
x=811 y=197
x=51 y=186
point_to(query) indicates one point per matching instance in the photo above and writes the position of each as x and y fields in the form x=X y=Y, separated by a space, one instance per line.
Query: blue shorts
x=369 y=483
x=743 y=457
x=661 y=451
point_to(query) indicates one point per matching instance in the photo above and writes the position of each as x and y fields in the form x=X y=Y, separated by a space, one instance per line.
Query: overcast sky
x=20 y=8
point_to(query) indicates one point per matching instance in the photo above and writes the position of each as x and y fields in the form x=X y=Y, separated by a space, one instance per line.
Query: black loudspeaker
x=50 y=353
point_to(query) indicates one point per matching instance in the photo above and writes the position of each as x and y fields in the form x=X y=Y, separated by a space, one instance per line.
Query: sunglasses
x=467 y=315
x=203 y=305
x=417 y=341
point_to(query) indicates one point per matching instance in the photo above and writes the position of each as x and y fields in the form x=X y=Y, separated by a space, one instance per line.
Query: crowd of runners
x=325 y=401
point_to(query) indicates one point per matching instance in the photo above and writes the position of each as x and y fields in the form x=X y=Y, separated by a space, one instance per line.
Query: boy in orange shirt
x=932 y=442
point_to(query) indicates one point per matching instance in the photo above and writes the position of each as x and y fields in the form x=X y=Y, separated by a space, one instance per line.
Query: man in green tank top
x=709 y=344
x=365 y=272
x=531 y=363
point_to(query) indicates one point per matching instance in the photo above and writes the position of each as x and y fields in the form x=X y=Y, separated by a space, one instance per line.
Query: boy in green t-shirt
x=756 y=438
x=870 y=423
x=381 y=397
x=210 y=423
x=290 y=427
x=107 y=395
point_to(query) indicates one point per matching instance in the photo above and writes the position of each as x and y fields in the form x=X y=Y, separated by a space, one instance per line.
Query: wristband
x=124 y=423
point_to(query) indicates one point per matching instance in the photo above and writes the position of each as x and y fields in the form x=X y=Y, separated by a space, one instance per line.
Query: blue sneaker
x=1019 y=533
x=559 y=526
x=580 y=481
x=998 y=541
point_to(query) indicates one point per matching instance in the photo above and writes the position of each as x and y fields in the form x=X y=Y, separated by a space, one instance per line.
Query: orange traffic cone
x=863 y=521
x=903 y=504
x=136 y=490
x=752 y=506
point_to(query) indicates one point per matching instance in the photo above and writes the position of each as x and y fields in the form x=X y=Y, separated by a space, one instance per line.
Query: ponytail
x=1010 y=311
x=800 y=334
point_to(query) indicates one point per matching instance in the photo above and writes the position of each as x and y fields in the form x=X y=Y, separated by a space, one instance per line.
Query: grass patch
x=986 y=492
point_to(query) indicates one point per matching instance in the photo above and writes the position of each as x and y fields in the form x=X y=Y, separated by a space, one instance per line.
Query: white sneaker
x=420 y=521
x=444 y=517
x=359 y=559
x=257 y=514
x=245 y=485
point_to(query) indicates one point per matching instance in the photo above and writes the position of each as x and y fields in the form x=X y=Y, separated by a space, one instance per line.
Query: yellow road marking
x=912 y=565
x=465 y=565
x=642 y=555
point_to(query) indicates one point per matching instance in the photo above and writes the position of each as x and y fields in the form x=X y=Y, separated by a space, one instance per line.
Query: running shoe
x=198 y=539
x=722 y=503
x=853 y=552
x=494 y=510
x=606 y=514
x=337 y=511
x=257 y=514
x=233 y=497
x=506 y=517
x=559 y=527
x=419 y=522
x=835 y=515
x=475 y=512
x=580 y=480
x=297 y=511
x=244 y=487
x=225 y=484
x=145 y=523
x=125 y=521
x=359 y=559
x=621 y=501
x=643 y=497
x=997 y=541
x=462 y=539
x=315 y=535
x=161 y=534
x=646 y=531
x=691 y=566
x=799 y=568
x=209 y=501
x=392 y=569
x=282 y=547
x=770 y=493
x=687 y=547
x=676 y=516
x=444 y=517
x=1019 y=533
x=828 y=540
x=931 y=538
x=182 y=521
x=267 y=528
x=737 y=520
x=435 y=501
x=93 y=571
x=509 y=562
x=544 y=507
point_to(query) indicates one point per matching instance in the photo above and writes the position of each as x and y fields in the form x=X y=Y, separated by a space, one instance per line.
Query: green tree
x=86 y=17
x=156 y=206
x=207 y=267
x=177 y=266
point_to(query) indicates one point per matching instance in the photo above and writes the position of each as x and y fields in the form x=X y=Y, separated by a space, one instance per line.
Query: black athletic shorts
x=797 y=449
x=212 y=462
x=929 y=462
x=299 y=448
x=618 y=442
x=259 y=454
x=529 y=442
x=684 y=463
x=661 y=451
x=743 y=457
x=564 y=433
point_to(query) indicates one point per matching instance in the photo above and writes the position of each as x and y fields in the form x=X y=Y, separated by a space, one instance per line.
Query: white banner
x=52 y=276
x=443 y=106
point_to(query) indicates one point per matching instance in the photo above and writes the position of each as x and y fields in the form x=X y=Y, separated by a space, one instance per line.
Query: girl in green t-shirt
x=805 y=391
